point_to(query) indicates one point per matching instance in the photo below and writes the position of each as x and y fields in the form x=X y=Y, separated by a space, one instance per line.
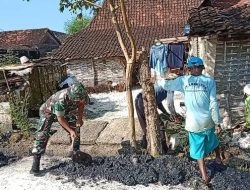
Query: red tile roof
x=223 y=17
x=223 y=4
x=150 y=20
x=25 y=39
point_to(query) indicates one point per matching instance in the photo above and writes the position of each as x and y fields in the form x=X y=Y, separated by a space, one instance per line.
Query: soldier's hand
x=73 y=135
x=79 y=123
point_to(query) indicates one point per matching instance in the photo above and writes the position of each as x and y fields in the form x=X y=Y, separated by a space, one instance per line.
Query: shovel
x=80 y=157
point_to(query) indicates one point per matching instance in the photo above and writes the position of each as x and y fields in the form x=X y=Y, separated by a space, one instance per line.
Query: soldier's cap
x=195 y=61
x=78 y=92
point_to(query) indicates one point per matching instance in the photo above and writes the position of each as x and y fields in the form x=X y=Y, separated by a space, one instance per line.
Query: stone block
x=4 y=108
x=89 y=133
x=118 y=131
x=5 y=117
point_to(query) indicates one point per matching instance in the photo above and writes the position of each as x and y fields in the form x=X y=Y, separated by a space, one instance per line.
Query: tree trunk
x=152 y=118
x=129 y=72
x=130 y=60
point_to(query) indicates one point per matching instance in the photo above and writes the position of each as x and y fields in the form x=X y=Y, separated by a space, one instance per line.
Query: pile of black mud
x=143 y=169
x=5 y=160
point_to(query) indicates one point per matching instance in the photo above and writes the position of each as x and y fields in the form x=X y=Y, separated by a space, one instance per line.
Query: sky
x=19 y=14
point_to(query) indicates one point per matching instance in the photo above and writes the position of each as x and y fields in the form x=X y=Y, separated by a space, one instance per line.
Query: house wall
x=232 y=72
x=98 y=72
x=227 y=59
x=205 y=47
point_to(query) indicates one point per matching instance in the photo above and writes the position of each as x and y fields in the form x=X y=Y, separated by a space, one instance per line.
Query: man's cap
x=195 y=61
x=246 y=89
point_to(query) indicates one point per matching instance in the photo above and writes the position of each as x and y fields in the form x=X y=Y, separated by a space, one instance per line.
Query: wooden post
x=6 y=80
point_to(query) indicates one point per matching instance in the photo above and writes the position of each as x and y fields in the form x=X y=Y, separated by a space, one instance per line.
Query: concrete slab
x=89 y=133
x=5 y=117
x=118 y=131
x=4 y=107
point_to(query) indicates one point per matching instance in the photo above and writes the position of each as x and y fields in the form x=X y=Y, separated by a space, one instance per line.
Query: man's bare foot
x=206 y=180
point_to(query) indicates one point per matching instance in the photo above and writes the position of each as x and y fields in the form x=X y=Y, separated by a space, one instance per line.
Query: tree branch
x=118 y=30
x=93 y=4
x=128 y=32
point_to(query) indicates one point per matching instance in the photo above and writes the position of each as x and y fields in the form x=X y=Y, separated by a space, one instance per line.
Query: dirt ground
x=15 y=151
x=16 y=144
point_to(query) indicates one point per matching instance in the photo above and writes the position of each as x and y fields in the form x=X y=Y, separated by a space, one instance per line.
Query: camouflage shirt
x=62 y=103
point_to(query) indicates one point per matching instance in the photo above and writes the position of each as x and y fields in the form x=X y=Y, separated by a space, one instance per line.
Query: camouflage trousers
x=44 y=132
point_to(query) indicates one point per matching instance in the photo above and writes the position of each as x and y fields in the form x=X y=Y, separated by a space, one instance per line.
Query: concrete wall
x=97 y=72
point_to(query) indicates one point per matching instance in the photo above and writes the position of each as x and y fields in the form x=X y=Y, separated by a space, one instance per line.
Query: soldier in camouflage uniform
x=67 y=107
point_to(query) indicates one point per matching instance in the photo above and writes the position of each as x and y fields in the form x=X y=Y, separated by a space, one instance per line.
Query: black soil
x=143 y=169
x=5 y=160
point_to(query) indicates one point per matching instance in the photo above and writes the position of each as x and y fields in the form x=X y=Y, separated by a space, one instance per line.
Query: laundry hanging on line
x=175 y=57
x=164 y=56
x=158 y=58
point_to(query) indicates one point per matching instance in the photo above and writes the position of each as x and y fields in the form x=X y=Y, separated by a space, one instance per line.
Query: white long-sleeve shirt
x=200 y=100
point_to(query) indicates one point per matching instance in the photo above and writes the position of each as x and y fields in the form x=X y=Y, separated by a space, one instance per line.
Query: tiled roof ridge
x=22 y=30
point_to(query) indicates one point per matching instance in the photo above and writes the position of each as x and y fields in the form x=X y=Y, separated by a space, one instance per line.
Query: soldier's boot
x=35 y=169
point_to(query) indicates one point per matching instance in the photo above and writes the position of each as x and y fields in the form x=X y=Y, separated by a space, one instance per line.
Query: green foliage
x=19 y=110
x=76 y=24
x=8 y=59
x=76 y=6
x=175 y=130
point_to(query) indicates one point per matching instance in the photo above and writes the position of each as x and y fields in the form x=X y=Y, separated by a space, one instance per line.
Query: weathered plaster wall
x=97 y=72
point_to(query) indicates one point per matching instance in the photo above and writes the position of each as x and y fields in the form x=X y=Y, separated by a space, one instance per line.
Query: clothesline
x=173 y=40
